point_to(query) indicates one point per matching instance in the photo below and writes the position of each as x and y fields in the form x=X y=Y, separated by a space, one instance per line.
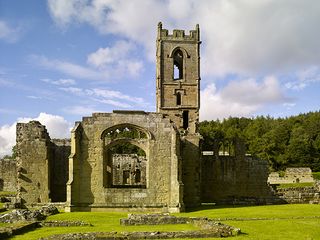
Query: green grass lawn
x=295 y=185
x=316 y=175
x=296 y=221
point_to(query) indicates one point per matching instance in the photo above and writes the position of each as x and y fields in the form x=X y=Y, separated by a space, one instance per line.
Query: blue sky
x=61 y=60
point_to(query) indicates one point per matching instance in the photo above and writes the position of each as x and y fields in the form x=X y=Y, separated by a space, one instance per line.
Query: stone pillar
x=33 y=161
x=73 y=183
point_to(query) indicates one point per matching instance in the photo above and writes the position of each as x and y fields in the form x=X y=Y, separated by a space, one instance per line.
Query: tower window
x=178 y=65
x=185 y=116
x=178 y=99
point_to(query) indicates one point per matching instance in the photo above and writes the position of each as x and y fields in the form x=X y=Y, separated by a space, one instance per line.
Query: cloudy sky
x=64 y=59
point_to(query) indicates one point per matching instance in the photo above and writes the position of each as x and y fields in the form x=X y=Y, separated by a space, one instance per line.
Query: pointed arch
x=179 y=55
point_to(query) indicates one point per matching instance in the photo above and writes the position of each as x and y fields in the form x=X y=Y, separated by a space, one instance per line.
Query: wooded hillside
x=284 y=142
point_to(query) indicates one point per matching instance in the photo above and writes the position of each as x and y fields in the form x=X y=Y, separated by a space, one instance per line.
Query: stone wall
x=59 y=169
x=8 y=175
x=33 y=160
x=42 y=165
x=89 y=185
x=292 y=175
x=235 y=179
x=300 y=195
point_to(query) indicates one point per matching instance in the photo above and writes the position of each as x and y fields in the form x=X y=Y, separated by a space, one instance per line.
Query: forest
x=284 y=142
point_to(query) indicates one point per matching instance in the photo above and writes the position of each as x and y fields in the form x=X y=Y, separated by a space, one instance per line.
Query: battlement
x=163 y=34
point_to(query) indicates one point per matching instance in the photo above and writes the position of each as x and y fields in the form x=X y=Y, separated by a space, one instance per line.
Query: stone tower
x=178 y=77
x=178 y=97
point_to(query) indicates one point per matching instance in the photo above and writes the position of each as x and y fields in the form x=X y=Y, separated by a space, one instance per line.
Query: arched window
x=178 y=65
x=125 y=158
x=178 y=99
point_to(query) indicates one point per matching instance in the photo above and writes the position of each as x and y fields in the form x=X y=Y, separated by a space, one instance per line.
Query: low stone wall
x=299 y=195
x=292 y=175
x=63 y=224
x=208 y=229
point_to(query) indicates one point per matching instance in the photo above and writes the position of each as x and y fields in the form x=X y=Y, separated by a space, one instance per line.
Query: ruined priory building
x=136 y=159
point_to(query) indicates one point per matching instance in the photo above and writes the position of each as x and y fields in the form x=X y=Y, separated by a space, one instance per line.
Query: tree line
x=283 y=142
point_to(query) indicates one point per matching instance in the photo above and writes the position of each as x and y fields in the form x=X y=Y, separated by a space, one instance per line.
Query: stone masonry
x=8 y=176
x=292 y=175
x=139 y=160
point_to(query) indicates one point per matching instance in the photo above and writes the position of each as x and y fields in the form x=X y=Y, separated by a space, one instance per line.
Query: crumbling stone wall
x=33 y=158
x=42 y=165
x=238 y=179
x=8 y=175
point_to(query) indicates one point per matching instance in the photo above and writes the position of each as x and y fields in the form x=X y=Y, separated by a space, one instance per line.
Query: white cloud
x=57 y=127
x=69 y=68
x=8 y=33
x=104 y=56
x=304 y=78
x=113 y=94
x=117 y=59
x=249 y=91
x=7 y=139
x=81 y=110
x=73 y=90
x=34 y=97
x=105 y=64
x=110 y=97
x=242 y=37
x=60 y=82
x=114 y=103
x=240 y=99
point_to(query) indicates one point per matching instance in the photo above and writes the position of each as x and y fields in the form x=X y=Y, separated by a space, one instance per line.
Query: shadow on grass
x=211 y=206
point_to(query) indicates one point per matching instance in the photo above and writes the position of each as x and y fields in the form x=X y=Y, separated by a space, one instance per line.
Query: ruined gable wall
x=8 y=175
x=33 y=155
x=88 y=165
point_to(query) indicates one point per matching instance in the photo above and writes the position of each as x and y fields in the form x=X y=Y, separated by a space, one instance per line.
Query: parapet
x=163 y=34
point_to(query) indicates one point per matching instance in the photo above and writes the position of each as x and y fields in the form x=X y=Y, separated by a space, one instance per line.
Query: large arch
x=125 y=169
x=109 y=130
x=179 y=55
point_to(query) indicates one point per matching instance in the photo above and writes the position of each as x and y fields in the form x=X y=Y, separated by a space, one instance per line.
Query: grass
x=101 y=222
x=294 y=185
x=294 y=222
x=316 y=175
x=7 y=193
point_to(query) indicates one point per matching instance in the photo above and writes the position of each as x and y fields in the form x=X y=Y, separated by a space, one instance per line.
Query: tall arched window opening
x=125 y=159
x=178 y=65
